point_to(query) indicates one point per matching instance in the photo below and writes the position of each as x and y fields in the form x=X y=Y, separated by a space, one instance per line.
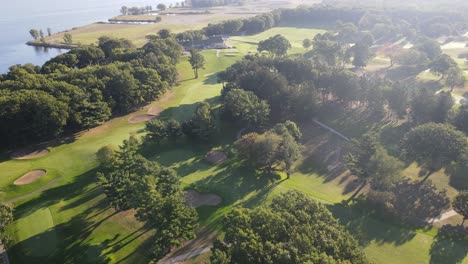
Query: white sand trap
x=215 y=157
x=196 y=199
x=30 y=177
x=155 y=110
x=28 y=154
x=141 y=118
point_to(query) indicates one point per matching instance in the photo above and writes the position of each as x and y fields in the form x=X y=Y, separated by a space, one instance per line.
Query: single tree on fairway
x=276 y=45
x=306 y=43
x=68 y=38
x=460 y=205
x=197 y=61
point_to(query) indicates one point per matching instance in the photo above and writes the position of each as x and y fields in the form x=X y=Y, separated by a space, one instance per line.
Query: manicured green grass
x=293 y=34
x=72 y=221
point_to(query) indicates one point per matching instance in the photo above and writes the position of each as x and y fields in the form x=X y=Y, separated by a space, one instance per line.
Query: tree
x=107 y=156
x=460 y=119
x=307 y=43
x=455 y=77
x=276 y=45
x=245 y=107
x=161 y=7
x=164 y=33
x=442 y=65
x=434 y=145
x=134 y=182
x=369 y=161
x=34 y=33
x=430 y=47
x=277 y=147
x=68 y=38
x=202 y=126
x=124 y=10
x=293 y=229
x=6 y=218
x=460 y=205
x=429 y=107
x=391 y=51
x=361 y=54
x=41 y=34
x=197 y=61
x=49 y=32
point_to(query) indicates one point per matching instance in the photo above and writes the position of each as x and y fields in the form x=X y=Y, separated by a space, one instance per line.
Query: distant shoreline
x=51 y=45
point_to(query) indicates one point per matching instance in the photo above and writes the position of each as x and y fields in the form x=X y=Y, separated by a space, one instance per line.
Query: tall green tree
x=276 y=45
x=246 y=108
x=369 y=161
x=197 y=61
x=454 y=78
x=460 y=205
x=293 y=229
x=434 y=145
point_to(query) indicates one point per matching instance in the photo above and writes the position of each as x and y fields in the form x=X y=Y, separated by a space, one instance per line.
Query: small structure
x=213 y=42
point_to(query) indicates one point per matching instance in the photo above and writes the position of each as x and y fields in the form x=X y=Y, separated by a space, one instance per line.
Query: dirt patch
x=196 y=199
x=30 y=154
x=140 y=118
x=30 y=177
x=168 y=96
x=215 y=157
x=155 y=110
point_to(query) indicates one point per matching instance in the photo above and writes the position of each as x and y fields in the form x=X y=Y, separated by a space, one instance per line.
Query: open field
x=71 y=220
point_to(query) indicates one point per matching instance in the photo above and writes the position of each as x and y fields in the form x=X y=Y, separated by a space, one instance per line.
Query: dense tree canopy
x=83 y=88
x=434 y=144
x=133 y=182
x=293 y=229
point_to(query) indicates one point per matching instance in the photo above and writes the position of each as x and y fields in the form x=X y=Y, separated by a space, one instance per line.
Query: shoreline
x=51 y=45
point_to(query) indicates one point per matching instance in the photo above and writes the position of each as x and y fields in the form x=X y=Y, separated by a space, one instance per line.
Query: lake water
x=19 y=16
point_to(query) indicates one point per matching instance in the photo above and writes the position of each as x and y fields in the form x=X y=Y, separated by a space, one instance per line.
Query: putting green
x=37 y=233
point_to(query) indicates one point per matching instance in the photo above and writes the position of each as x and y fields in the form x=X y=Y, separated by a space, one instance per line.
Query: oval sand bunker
x=196 y=199
x=30 y=177
x=25 y=154
x=141 y=118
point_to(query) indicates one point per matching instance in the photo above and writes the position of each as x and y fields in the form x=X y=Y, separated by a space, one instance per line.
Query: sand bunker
x=215 y=157
x=155 y=110
x=30 y=177
x=141 y=118
x=28 y=154
x=196 y=199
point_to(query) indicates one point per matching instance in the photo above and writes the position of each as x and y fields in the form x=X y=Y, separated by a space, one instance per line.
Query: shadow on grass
x=450 y=246
x=366 y=228
x=72 y=241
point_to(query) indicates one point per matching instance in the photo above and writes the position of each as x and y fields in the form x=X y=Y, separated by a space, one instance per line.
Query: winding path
x=331 y=130
x=184 y=257
x=442 y=217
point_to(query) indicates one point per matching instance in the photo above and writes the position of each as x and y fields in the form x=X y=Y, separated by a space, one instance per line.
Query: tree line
x=83 y=88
